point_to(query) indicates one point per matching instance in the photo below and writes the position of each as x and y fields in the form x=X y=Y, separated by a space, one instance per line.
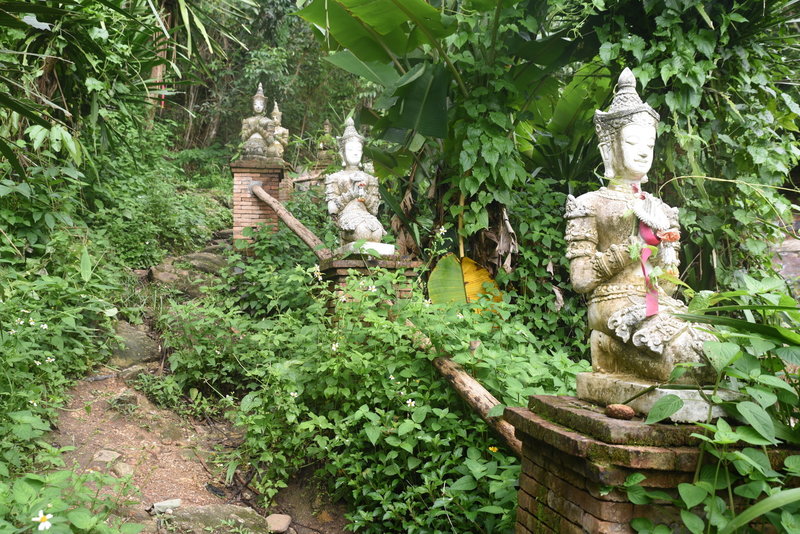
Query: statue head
x=259 y=102
x=351 y=144
x=627 y=133
x=276 y=113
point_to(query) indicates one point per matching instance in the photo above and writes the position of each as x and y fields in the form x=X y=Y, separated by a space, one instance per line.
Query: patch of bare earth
x=169 y=457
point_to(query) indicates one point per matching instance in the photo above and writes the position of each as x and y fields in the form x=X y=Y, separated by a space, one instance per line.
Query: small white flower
x=427 y=302
x=25 y=311
x=402 y=393
x=372 y=289
x=19 y=321
x=334 y=346
x=391 y=377
x=460 y=315
x=343 y=298
x=12 y=331
x=441 y=231
x=33 y=403
x=31 y=322
x=43 y=520
x=411 y=403
x=293 y=394
x=316 y=273
x=49 y=359
x=43 y=326
x=37 y=362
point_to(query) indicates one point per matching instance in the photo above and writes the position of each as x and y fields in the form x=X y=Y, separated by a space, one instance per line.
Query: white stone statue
x=617 y=237
x=353 y=197
x=264 y=137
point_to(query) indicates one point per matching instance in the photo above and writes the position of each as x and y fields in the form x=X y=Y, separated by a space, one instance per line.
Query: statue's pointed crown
x=259 y=97
x=350 y=132
x=626 y=108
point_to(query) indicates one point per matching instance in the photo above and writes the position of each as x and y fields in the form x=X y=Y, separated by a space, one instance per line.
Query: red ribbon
x=651 y=297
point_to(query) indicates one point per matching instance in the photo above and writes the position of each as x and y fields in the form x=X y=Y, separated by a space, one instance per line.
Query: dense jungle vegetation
x=117 y=123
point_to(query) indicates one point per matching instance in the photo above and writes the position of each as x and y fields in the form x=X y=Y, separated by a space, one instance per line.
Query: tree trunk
x=480 y=400
x=471 y=391
x=308 y=237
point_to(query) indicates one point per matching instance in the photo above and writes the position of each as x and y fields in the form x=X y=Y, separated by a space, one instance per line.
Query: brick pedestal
x=336 y=271
x=572 y=454
x=248 y=210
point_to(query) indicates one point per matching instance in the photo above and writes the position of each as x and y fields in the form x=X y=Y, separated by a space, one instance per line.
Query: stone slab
x=258 y=163
x=588 y=418
x=607 y=389
x=388 y=262
x=570 y=442
x=350 y=249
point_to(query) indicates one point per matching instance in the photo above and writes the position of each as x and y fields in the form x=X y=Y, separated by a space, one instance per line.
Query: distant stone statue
x=327 y=142
x=617 y=237
x=264 y=137
x=353 y=197
x=257 y=131
x=281 y=134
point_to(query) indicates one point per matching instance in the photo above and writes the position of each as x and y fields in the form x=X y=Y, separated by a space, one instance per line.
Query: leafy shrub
x=54 y=324
x=145 y=206
x=69 y=502
x=354 y=394
x=266 y=280
x=757 y=357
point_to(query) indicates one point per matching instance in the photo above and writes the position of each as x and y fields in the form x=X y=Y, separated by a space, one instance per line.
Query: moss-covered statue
x=619 y=239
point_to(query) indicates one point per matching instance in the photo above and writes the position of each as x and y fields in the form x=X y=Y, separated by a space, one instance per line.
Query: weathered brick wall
x=567 y=474
x=248 y=210
x=336 y=271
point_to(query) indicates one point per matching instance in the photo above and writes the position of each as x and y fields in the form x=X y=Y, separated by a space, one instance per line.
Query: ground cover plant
x=354 y=395
x=740 y=484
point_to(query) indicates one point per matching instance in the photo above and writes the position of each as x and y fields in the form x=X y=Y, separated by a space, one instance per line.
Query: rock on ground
x=136 y=347
x=215 y=519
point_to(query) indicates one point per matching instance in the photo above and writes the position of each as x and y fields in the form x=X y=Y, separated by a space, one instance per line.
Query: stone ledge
x=528 y=424
x=589 y=418
x=385 y=262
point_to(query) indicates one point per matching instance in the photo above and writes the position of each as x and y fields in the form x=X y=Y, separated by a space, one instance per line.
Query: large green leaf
x=446 y=283
x=386 y=16
x=777 y=333
x=374 y=71
x=423 y=107
x=342 y=29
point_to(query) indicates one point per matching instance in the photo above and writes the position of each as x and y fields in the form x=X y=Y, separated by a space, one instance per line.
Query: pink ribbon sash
x=651 y=297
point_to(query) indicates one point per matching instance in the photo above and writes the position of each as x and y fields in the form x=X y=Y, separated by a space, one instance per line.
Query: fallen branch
x=471 y=391
x=306 y=235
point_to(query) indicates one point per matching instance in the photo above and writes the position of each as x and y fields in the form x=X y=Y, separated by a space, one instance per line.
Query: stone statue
x=264 y=137
x=257 y=131
x=326 y=145
x=617 y=237
x=281 y=135
x=353 y=197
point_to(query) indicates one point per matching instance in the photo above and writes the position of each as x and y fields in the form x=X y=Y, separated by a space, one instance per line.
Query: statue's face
x=635 y=151
x=353 y=152
x=258 y=106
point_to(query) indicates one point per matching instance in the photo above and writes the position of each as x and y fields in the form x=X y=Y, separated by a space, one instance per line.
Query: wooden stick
x=306 y=235
x=471 y=391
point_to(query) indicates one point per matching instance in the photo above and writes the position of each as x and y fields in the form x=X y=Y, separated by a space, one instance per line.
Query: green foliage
x=739 y=484
x=54 y=325
x=268 y=279
x=351 y=393
x=729 y=125
x=144 y=207
x=69 y=502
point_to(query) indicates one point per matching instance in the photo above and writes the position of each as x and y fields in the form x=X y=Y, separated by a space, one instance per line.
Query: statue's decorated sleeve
x=581 y=233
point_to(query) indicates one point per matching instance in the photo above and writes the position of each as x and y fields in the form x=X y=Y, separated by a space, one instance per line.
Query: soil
x=171 y=457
